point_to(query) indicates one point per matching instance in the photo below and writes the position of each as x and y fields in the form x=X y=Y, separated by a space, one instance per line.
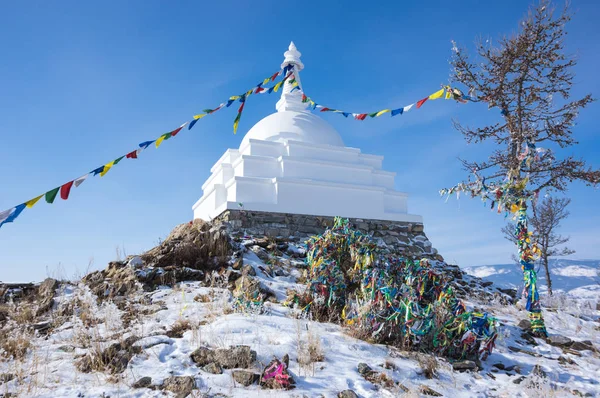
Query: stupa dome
x=300 y=126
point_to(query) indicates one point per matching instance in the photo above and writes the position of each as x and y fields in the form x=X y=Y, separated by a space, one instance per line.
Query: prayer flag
x=146 y=144
x=421 y=102
x=51 y=195
x=345 y=114
x=130 y=155
x=192 y=124
x=408 y=108
x=31 y=202
x=276 y=87
x=325 y=109
x=65 y=190
x=161 y=139
x=361 y=116
x=397 y=111
x=275 y=76
x=382 y=112
x=200 y=116
x=177 y=130
x=268 y=79
x=81 y=179
x=259 y=90
x=118 y=160
x=373 y=114
x=437 y=95
x=448 y=94
x=107 y=167
x=98 y=170
x=236 y=122
x=12 y=216
x=4 y=215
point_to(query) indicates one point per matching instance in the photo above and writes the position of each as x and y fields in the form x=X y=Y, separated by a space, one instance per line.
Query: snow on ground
x=49 y=370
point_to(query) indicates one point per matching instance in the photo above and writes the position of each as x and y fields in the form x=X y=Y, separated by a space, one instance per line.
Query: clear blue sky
x=84 y=82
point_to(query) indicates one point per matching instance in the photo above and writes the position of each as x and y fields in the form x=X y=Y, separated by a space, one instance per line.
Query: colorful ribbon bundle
x=511 y=197
x=10 y=215
x=446 y=92
x=394 y=301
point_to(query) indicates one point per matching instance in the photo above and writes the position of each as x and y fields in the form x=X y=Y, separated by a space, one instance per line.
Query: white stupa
x=292 y=161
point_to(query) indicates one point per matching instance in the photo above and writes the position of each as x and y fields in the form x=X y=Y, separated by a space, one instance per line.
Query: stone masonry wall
x=403 y=238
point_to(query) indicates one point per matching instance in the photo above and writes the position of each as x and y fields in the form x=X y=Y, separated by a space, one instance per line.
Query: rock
x=582 y=345
x=248 y=270
x=538 y=371
x=517 y=349
x=6 y=377
x=228 y=358
x=181 y=386
x=499 y=365
x=559 y=341
x=519 y=380
x=347 y=394
x=237 y=265
x=48 y=287
x=428 y=391
x=524 y=324
x=364 y=369
x=487 y=283
x=144 y=382
x=565 y=360
x=528 y=338
x=244 y=377
x=213 y=368
x=463 y=366
x=66 y=348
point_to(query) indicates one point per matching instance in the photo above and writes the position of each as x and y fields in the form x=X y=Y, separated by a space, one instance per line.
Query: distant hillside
x=576 y=278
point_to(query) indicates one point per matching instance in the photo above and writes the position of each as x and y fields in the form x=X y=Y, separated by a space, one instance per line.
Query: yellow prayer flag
x=276 y=87
x=448 y=93
x=107 y=167
x=235 y=125
x=249 y=92
x=437 y=94
x=160 y=140
x=514 y=208
x=33 y=201
x=382 y=112
x=268 y=79
x=200 y=116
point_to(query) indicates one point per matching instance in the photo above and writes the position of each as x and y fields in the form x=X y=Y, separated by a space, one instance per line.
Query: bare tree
x=528 y=78
x=545 y=220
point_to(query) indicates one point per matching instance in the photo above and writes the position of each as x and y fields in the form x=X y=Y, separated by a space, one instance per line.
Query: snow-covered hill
x=578 y=279
x=139 y=330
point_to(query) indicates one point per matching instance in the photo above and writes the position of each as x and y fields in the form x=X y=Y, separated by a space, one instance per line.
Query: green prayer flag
x=51 y=195
x=118 y=160
x=373 y=114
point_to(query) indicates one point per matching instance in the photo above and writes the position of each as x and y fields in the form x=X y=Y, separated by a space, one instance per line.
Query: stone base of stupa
x=400 y=237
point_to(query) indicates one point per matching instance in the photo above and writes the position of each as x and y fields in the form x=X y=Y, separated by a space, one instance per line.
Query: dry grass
x=429 y=365
x=309 y=347
x=179 y=328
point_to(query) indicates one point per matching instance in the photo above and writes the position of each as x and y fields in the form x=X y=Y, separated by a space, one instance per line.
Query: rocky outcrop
x=240 y=356
x=402 y=238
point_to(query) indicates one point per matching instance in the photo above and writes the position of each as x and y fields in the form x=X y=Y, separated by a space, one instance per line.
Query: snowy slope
x=578 y=279
x=49 y=368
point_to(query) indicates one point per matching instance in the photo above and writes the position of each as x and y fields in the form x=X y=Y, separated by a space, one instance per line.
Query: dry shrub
x=14 y=344
x=428 y=364
x=309 y=349
x=179 y=328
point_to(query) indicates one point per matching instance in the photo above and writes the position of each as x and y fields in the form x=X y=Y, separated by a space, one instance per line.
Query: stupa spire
x=292 y=100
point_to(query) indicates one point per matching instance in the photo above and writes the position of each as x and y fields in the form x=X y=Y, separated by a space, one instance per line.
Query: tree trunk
x=529 y=275
x=548 y=280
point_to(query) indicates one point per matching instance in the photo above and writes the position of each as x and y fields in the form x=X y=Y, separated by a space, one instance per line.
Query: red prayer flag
x=259 y=90
x=65 y=190
x=275 y=76
x=420 y=103
x=241 y=107
x=362 y=116
x=132 y=155
x=324 y=109
x=174 y=132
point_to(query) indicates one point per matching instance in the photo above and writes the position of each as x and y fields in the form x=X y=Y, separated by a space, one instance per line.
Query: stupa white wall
x=295 y=162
